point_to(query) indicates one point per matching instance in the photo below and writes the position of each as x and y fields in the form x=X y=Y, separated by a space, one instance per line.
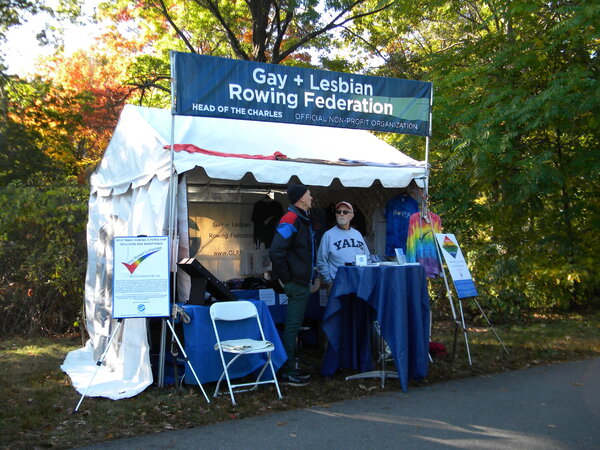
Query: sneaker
x=307 y=377
x=295 y=379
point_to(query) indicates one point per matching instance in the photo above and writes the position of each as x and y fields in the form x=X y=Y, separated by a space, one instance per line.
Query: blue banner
x=217 y=87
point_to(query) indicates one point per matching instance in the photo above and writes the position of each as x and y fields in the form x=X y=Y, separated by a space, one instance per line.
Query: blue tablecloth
x=397 y=297
x=200 y=340
x=278 y=311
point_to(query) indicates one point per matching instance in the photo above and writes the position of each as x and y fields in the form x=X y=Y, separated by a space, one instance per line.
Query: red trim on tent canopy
x=191 y=148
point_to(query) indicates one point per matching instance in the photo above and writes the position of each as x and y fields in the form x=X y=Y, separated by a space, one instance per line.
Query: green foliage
x=12 y=12
x=518 y=176
x=38 y=129
x=18 y=12
x=515 y=146
x=19 y=155
x=42 y=246
x=42 y=222
x=151 y=77
x=514 y=153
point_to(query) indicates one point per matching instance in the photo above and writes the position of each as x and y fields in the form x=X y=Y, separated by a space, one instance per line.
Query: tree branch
x=213 y=7
x=175 y=27
x=330 y=26
x=259 y=11
x=151 y=83
x=281 y=28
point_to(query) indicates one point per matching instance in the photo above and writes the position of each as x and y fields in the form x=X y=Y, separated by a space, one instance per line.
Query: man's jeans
x=298 y=296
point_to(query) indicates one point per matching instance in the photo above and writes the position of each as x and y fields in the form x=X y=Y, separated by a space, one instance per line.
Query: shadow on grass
x=39 y=399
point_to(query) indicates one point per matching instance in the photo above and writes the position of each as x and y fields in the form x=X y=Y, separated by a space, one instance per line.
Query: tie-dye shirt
x=420 y=243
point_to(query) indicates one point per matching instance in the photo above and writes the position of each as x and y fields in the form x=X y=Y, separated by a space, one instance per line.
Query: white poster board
x=141 y=277
x=224 y=234
x=457 y=266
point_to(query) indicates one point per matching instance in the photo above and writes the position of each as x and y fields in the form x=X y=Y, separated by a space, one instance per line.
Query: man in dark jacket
x=292 y=254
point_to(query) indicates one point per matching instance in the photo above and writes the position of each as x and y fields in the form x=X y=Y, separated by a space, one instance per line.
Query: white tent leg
x=99 y=363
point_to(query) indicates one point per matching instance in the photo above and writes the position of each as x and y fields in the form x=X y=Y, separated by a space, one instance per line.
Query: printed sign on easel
x=457 y=266
x=141 y=277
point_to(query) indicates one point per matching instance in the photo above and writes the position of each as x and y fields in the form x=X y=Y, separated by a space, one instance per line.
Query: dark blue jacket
x=292 y=251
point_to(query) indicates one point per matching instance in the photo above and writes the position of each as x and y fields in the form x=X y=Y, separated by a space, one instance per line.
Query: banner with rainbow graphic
x=141 y=277
x=457 y=266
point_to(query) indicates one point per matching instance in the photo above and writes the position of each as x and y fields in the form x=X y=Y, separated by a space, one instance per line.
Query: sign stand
x=99 y=363
x=447 y=245
x=490 y=324
x=186 y=359
x=457 y=323
x=140 y=290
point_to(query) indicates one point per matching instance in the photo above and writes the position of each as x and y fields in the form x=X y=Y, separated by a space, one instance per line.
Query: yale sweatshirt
x=337 y=248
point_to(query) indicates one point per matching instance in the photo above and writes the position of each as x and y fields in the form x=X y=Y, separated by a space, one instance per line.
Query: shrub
x=43 y=250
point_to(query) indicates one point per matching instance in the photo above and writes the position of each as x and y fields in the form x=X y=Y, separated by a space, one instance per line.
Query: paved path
x=547 y=407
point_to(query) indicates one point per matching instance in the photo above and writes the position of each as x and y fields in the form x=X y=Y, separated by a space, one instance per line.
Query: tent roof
x=136 y=152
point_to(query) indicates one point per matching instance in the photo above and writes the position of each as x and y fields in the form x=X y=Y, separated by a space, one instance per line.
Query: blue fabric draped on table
x=200 y=341
x=395 y=296
x=278 y=309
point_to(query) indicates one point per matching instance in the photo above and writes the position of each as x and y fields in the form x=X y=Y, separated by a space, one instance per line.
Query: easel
x=457 y=323
x=99 y=363
x=130 y=253
x=112 y=336
x=461 y=323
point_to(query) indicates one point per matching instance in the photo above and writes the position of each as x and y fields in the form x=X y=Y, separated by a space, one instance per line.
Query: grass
x=39 y=399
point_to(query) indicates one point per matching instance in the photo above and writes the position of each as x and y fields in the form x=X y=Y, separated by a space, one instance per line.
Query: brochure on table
x=457 y=266
x=141 y=277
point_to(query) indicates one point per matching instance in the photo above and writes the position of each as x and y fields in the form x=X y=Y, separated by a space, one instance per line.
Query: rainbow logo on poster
x=450 y=246
x=135 y=264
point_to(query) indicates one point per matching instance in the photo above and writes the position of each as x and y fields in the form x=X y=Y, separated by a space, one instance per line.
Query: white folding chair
x=238 y=311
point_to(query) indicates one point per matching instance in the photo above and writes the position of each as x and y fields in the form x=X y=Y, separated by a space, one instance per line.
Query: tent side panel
x=127 y=368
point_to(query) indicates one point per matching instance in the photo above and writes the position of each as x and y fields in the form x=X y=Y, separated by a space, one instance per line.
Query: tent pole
x=171 y=225
x=172 y=174
x=426 y=187
x=172 y=258
x=172 y=194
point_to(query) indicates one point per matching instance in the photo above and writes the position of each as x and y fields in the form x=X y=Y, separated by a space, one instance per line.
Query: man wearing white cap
x=340 y=244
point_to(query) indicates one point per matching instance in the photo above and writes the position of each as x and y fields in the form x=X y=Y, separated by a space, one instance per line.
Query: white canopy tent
x=129 y=197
